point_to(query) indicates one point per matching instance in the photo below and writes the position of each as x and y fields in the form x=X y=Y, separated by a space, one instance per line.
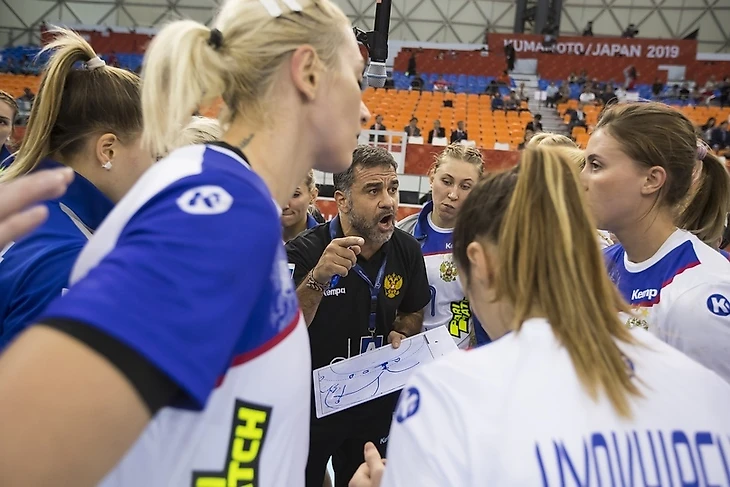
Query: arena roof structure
x=446 y=21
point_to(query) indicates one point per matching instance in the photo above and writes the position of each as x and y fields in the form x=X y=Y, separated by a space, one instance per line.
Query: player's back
x=520 y=416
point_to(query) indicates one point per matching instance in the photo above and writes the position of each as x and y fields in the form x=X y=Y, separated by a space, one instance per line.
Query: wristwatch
x=315 y=285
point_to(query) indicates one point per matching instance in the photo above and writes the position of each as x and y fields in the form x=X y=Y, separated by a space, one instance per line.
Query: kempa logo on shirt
x=646 y=294
x=335 y=291
x=205 y=200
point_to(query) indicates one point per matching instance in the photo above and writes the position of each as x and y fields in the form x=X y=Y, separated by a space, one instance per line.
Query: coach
x=378 y=298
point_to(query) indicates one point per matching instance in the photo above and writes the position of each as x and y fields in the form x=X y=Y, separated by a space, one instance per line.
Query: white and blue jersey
x=189 y=271
x=516 y=413
x=35 y=269
x=682 y=295
x=448 y=306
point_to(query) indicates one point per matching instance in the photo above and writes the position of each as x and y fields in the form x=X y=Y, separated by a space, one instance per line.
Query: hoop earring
x=107 y=165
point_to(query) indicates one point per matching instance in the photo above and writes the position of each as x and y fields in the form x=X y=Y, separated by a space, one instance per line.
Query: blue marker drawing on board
x=341 y=386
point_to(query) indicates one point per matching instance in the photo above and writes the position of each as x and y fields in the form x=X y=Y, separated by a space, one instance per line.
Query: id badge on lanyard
x=373 y=341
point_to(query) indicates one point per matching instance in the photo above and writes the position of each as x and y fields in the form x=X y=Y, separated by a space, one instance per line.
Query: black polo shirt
x=340 y=326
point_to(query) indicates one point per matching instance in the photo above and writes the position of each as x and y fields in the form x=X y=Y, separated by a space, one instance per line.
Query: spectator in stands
x=411 y=70
x=504 y=79
x=522 y=94
x=720 y=137
x=577 y=118
x=492 y=88
x=684 y=92
x=582 y=77
x=417 y=82
x=440 y=84
x=75 y=123
x=438 y=131
x=552 y=94
x=535 y=125
x=296 y=216
x=630 y=77
x=378 y=125
x=657 y=87
x=529 y=134
x=608 y=95
x=497 y=102
x=588 y=31
x=630 y=32
x=27 y=96
x=511 y=56
x=512 y=103
x=587 y=97
x=710 y=86
x=725 y=92
x=707 y=128
x=412 y=128
x=564 y=93
x=8 y=113
x=460 y=133
x=572 y=78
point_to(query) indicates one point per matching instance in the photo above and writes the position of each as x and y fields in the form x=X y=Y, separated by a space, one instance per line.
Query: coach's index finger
x=29 y=190
x=349 y=241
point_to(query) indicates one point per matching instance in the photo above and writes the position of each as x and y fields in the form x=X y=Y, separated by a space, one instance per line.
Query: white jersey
x=514 y=413
x=681 y=294
x=448 y=306
x=190 y=272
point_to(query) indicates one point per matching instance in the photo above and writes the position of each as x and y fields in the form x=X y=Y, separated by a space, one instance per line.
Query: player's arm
x=426 y=446
x=43 y=283
x=150 y=326
x=698 y=324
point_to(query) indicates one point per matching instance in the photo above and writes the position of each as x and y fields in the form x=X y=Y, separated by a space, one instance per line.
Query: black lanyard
x=374 y=287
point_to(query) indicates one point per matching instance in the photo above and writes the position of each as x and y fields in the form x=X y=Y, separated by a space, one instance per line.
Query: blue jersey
x=190 y=272
x=6 y=157
x=35 y=269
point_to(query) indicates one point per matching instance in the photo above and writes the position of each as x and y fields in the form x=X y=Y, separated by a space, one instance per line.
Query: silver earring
x=107 y=165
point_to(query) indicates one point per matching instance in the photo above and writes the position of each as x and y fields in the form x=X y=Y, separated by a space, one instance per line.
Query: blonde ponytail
x=188 y=65
x=72 y=104
x=176 y=81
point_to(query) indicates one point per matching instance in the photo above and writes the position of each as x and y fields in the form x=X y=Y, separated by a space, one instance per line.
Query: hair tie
x=275 y=10
x=95 y=63
x=701 y=151
x=216 y=39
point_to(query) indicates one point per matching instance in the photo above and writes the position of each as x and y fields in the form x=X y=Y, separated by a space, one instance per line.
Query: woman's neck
x=643 y=239
x=292 y=231
x=440 y=222
x=281 y=165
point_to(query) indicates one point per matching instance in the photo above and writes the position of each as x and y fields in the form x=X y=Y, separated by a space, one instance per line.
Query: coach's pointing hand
x=338 y=258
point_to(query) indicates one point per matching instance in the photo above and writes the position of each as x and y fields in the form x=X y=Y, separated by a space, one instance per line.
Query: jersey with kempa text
x=448 y=306
x=681 y=295
x=189 y=271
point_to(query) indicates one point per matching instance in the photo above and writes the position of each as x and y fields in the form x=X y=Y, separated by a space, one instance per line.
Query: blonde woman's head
x=273 y=67
x=569 y=148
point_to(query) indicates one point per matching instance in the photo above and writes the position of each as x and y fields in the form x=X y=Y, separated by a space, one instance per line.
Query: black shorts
x=343 y=435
